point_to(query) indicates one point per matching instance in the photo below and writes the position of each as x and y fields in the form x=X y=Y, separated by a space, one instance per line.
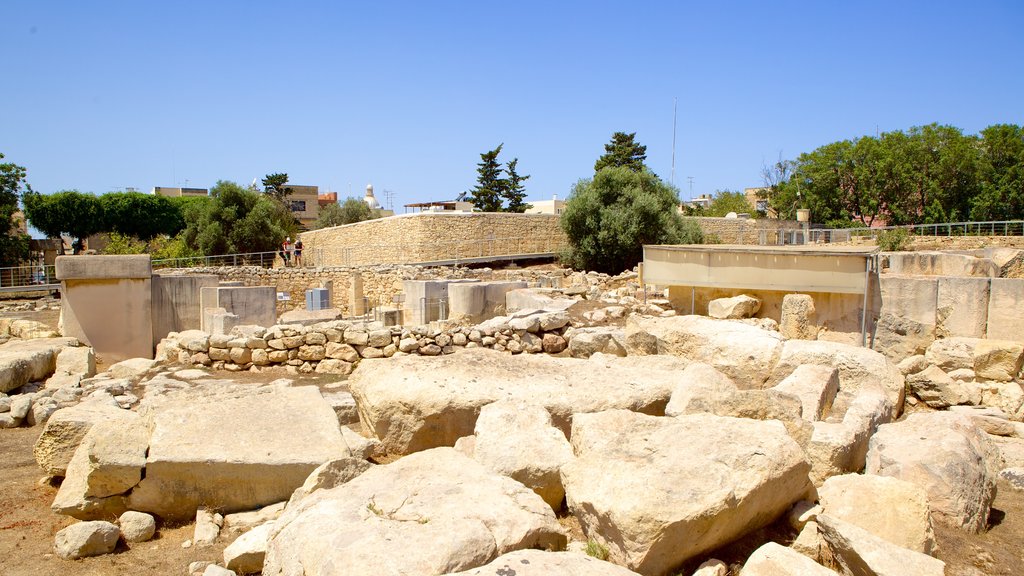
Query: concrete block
x=479 y=301
x=1006 y=309
x=427 y=300
x=176 y=303
x=103 y=267
x=961 y=307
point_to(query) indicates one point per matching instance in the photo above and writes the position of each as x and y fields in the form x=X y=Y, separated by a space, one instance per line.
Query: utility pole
x=389 y=196
x=690 y=178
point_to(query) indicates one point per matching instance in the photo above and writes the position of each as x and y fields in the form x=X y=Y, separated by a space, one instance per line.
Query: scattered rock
x=542 y=563
x=775 y=560
x=137 y=526
x=245 y=554
x=741 y=306
x=86 y=539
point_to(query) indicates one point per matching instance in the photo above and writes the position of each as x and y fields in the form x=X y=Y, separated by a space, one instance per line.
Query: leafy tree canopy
x=68 y=212
x=350 y=211
x=726 y=201
x=610 y=217
x=236 y=220
x=276 y=185
x=623 y=151
x=13 y=244
x=141 y=216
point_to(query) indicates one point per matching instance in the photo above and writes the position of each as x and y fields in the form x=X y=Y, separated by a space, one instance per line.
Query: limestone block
x=585 y=342
x=857 y=551
x=946 y=455
x=547 y=299
x=440 y=397
x=131 y=368
x=207 y=527
x=961 y=307
x=137 y=526
x=648 y=488
x=245 y=554
x=542 y=563
x=244 y=521
x=66 y=428
x=76 y=360
x=197 y=458
x=390 y=519
x=841 y=447
x=999 y=360
x=86 y=539
x=741 y=306
x=798 y=317
x=887 y=507
x=774 y=559
x=24 y=361
x=344 y=405
x=937 y=389
x=816 y=386
x=952 y=353
x=332 y=366
x=935 y=263
x=1006 y=309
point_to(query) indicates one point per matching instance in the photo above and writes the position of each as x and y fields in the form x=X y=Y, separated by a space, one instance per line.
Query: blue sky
x=100 y=96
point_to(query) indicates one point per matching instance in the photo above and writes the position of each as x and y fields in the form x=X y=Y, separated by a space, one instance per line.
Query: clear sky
x=99 y=96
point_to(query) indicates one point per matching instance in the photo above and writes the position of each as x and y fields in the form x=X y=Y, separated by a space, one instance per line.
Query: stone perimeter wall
x=764 y=231
x=432 y=237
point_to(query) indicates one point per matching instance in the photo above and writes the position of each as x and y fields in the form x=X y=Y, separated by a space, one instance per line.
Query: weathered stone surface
x=700 y=387
x=332 y=366
x=137 y=526
x=215 y=570
x=234 y=450
x=108 y=462
x=658 y=491
x=132 y=368
x=240 y=522
x=207 y=527
x=542 y=563
x=961 y=308
x=947 y=456
x=65 y=430
x=776 y=560
x=887 y=507
x=390 y=519
x=86 y=539
x=936 y=389
x=585 y=342
x=816 y=386
x=857 y=551
x=553 y=343
x=329 y=475
x=906 y=323
x=712 y=568
x=1006 y=309
x=412 y=404
x=245 y=555
x=518 y=440
x=859 y=368
x=742 y=352
x=913 y=364
x=24 y=361
x=798 y=316
x=952 y=353
x=937 y=263
x=29 y=329
x=999 y=360
x=77 y=360
x=741 y=306
x=841 y=447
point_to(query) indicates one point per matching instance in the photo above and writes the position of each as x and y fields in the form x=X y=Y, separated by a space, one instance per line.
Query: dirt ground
x=28 y=527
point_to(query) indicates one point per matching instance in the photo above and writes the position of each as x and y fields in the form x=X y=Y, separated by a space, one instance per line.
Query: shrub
x=596 y=550
x=893 y=240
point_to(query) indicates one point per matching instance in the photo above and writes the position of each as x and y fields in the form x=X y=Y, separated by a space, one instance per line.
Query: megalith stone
x=798 y=317
x=887 y=507
x=66 y=428
x=857 y=551
x=741 y=306
x=776 y=560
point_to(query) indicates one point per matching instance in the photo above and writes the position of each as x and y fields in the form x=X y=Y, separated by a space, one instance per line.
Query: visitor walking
x=286 y=251
x=298 y=251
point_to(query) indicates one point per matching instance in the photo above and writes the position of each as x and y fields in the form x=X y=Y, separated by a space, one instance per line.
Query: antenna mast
x=672 y=178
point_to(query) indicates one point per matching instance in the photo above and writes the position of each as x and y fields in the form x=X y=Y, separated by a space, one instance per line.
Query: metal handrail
x=262 y=259
x=27 y=276
x=989 y=228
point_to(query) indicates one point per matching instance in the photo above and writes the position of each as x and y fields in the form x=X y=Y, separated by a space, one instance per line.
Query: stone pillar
x=106 y=303
x=798 y=317
x=355 y=295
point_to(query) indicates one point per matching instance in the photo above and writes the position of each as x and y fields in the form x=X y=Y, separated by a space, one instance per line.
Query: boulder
x=998 y=359
x=657 y=492
x=937 y=389
x=328 y=475
x=245 y=555
x=742 y=352
x=66 y=428
x=132 y=369
x=233 y=450
x=24 y=361
x=816 y=386
x=108 y=462
x=543 y=563
x=214 y=570
x=952 y=353
x=517 y=439
x=241 y=522
x=797 y=319
x=859 y=368
x=414 y=403
x=76 y=360
x=432 y=512
x=741 y=306
x=857 y=551
x=841 y=447
x=701 y=386
x=86 y=539
x=889 y=508
x=206 y=527
x=137 y=526
x=585 y=342
x=912 y=364
x=946 y=455
x=776 y=560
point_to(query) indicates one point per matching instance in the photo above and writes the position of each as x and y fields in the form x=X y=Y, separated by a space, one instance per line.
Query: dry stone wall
x=764 y=231
x=433 y=237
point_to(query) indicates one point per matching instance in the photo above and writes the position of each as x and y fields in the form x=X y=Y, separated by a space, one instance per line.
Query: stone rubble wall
x=433 y=237
x=763 y=231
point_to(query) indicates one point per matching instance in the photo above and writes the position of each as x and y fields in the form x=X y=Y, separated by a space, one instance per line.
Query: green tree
x=610 y=217
x=725 y=201
x=236 y=220
x=515 y=192
x=66 y=212
x=350 y=211
x=623 y=151
x=489 y=192
x=142 y=216
x=276 y=185
x=13 y=243
x=1001 y=174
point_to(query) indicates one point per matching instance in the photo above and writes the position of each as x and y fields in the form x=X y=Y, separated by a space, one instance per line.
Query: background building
x=176 y=192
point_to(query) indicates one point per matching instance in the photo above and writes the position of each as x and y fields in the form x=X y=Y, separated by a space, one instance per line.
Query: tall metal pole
x=672 y=179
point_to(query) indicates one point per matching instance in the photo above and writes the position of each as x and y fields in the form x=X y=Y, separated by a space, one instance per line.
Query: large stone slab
x=1006 y=309
x=432 y=512
x=946 y=455
x=859 y=368
x=24 y=361
x=742 y=352
x=543 y=563
x=887 y=507
x=857 y=551
x=658 y=491
x=65 y=430
x=961 y=308
x=776 y=560
x=935 y=263
x=234 y=450
x=906 y=323
x=413 y=403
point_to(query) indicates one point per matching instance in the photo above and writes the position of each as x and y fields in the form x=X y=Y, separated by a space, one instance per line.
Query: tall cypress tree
x=623 y=151
x=490 y=188
x=515 y=191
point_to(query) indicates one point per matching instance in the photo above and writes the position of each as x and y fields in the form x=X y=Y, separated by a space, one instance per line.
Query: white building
x=553 y=206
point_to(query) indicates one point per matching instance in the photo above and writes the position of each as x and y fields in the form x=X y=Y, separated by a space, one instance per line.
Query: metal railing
x=993 y=228
x=442 y=251
x=28 y=277
x=262 y=259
